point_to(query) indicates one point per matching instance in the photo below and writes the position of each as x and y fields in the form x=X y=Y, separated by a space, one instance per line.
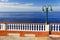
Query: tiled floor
x=27 y=38
x=22 y=38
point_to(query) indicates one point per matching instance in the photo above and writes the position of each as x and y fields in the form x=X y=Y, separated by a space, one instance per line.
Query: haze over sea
x=35 y=17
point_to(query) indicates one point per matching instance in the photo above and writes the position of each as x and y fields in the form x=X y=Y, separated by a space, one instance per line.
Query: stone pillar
x=46 y=27
x=3 y=26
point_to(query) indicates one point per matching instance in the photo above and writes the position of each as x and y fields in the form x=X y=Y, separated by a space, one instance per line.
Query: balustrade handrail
x=31 y=26
x=27 y=26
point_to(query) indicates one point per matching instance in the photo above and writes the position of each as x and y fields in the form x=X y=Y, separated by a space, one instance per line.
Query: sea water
x=35 y=17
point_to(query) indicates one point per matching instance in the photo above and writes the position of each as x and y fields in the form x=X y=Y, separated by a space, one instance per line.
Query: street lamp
x=47 y=9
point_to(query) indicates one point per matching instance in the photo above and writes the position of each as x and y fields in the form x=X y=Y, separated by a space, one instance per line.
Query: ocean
x=34 y=17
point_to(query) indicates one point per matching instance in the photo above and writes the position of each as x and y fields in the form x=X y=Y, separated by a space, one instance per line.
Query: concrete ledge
x=54 y=36
x=29 y=35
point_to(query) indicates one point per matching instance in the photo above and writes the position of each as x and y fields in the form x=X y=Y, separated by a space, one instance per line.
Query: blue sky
x=28 y=5
x=38 y=2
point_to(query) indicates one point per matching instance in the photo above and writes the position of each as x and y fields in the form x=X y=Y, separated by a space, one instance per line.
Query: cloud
x=8 y=3
x=56 y=8
x=11 y=6
x=29 y=4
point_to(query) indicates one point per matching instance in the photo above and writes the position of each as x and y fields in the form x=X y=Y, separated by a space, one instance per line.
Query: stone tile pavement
x=26 y=38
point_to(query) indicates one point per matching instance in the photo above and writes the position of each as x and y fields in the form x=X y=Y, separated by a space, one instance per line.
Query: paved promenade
x=22 y=38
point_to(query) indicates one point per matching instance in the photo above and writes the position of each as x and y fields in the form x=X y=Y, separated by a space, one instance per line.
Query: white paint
x=24 y=27
x=46 y=27
x=38 y=27
x=33 y=27
x=3 y=26
x=20 y=26
x=53 y=28
x=58 y=27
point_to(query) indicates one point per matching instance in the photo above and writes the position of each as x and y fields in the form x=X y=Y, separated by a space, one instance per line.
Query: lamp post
x=47 y=9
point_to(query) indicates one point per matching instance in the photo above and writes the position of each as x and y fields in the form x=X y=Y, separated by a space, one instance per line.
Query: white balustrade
x=58 y=27
x=43 y=27
x=38 y=27
x=53 y=27
x=30 y=27
x=23 y=27
x=1 y=27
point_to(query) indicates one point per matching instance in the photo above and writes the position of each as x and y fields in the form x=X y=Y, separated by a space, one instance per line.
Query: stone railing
x=29 y=27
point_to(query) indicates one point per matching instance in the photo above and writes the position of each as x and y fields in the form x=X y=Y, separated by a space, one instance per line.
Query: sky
x=28 y=5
